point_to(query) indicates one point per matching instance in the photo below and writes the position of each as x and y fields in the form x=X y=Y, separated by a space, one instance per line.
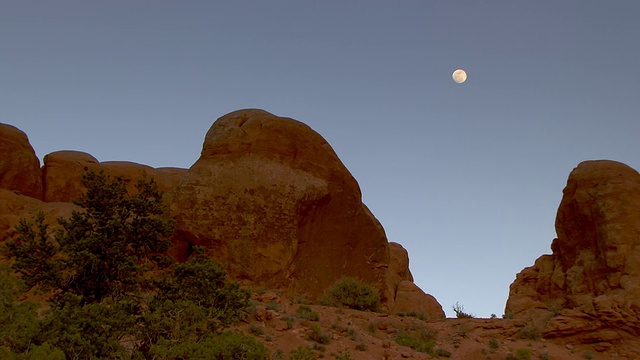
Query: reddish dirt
x=350 y=330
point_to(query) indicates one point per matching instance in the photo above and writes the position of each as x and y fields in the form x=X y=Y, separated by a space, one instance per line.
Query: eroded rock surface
x=589 y=287
x=62 y=173
x=270 y=197
x=19 y=165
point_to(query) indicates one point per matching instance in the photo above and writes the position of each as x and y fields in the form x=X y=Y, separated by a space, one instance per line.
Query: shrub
x=353 y=294
x=229 y=345
x=318 y=336
x=442 y=352
x=423 y=342
x=460 y=313
x=302 y=353
x=343 y=355
x=494 y=344
x=256 y=329
x=524 y=354
x=415 y=314
x=361 y=347
x=306 y=313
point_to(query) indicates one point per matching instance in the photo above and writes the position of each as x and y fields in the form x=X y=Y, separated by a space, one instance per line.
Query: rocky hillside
x=268 y=196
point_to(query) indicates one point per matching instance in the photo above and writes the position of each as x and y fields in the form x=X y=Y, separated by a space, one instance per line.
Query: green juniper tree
x=101 y=251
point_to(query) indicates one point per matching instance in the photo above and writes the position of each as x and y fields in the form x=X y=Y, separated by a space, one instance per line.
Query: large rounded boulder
x=270 y=198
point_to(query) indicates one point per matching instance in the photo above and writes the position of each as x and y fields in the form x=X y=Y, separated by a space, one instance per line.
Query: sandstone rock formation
x=268 y=196
x=271 y=198
x=62 y=173
x=407 y=296
x=19 y=165
x=589 y=287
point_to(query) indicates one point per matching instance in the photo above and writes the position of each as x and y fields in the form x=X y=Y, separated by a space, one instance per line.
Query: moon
x=459 y=76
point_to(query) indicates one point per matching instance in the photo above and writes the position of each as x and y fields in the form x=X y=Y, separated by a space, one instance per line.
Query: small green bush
x=229 y=345
x=343 y=355
x=415 y=314
x=524 y=354
x=422 y=342
x=318 y=336
x=361 y=347
x=442 y=353
x=306 y=313
x=302 y=353
x=354 y=294
x=494 y=344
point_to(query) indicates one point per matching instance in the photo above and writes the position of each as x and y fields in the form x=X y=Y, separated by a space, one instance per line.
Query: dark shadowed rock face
x=589 y=288
x=270 y=197
x=19 y=165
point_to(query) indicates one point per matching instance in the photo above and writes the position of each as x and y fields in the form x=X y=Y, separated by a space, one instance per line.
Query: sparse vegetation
x=442 y=353
x=343 y=355
x=354 y=294
x=494 y=344
x=318 y=336
x=530 y=332
x=544 y=356
x=422 y=341
x=256 y=329
x=460 y=313
x=306 y=313
x=415 y=314
x=361 y=347
x=588 y=354
x=273 y=305
x=302 y=353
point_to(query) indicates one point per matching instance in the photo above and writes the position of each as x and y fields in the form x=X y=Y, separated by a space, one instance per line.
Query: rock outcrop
x=589 y=287
x=62 y=173
x=407 y=296
x=19 y=165
x=270 y=197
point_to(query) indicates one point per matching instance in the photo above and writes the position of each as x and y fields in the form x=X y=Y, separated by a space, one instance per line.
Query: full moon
x=459 y=76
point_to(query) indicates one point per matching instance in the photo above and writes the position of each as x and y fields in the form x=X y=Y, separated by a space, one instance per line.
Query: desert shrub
x=460 y=313
x=544 y=356
x=422 y=342
x=354 y=294
x=278 y=355
x=524 y=354
x=343 y=355
x=415 y=314
x=289 y=320
x=588 y=355
x=256 y=329
x=318 y=336
x=273 y=305
x=530 y=332
x=494 y=344
x=229 y=345
x=361 y=347
x=302 y=353
x=442 y=353
x=306 y=313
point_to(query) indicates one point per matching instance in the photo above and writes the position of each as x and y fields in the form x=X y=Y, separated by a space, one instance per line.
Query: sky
x=467 y=177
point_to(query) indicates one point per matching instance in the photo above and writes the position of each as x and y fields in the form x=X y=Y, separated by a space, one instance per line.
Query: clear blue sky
x=467 y=177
